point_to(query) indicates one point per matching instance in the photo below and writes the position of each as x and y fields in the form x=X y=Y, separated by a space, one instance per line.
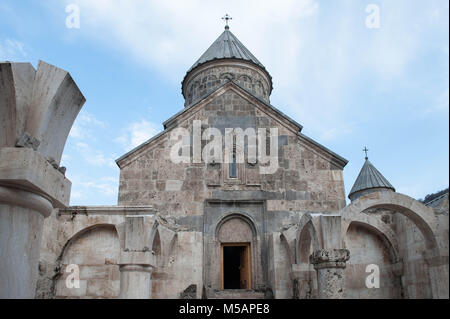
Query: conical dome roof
x=369 y=178
x=227 y=46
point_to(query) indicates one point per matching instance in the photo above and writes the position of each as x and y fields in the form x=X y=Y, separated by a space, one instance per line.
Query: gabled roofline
x=194 y=103
x=139 y=147
x=200 y=99
x=339 y=160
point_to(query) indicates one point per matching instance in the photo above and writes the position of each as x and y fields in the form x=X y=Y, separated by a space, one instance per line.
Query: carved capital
x=329 y=258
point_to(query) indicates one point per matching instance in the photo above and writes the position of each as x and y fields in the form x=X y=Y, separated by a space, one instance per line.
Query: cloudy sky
x=350 y=81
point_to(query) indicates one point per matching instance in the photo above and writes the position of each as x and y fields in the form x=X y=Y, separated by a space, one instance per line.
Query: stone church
x=205 y=229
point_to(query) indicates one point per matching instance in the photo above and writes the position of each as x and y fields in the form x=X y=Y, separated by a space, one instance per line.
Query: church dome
x=368 y=181
x=226 y=59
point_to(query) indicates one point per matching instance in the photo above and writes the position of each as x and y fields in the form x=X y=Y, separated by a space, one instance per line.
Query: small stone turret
x=368 y=181
x=226 y=59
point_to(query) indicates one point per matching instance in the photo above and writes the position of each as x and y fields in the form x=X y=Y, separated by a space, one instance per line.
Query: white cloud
x=106 y=186
x=137 y=133
x=170 y=35
x=317 y=52
x=85 y=188
x=93 y=156
x=337 y=132
x=12 y=50
x=82 y=127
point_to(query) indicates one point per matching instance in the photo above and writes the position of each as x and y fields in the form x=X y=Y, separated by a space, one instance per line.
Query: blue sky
x=349 y=86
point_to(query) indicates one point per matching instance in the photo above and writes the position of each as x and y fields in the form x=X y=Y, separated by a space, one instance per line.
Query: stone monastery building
x=207 y=229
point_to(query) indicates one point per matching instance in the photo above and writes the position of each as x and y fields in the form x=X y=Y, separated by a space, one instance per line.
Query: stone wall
x=95 y=252
x=88 y=237
x=367 y=249
x=416 y=281
x=308 y=178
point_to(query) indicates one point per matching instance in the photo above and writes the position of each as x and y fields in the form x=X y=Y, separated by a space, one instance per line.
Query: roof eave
x=339 y=160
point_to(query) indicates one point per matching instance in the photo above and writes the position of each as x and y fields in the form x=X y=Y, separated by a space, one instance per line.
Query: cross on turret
x=226 y=18
x=365 y=150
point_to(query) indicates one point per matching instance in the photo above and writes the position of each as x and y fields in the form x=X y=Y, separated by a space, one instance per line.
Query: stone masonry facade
x=206 y=229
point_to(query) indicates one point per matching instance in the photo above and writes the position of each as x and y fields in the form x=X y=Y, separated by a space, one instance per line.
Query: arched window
x=233 y=165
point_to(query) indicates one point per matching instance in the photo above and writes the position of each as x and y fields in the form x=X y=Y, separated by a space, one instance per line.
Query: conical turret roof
x=369 y=177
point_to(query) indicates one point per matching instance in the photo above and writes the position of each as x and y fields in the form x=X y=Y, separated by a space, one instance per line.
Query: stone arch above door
x=235 y=230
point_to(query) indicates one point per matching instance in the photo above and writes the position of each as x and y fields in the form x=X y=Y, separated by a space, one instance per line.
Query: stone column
x=136 y=260
x=37 y=110
x=135 y=275
x=330 y=267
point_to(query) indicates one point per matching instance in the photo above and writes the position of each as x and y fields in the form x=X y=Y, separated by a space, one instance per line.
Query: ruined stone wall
x=87 y=237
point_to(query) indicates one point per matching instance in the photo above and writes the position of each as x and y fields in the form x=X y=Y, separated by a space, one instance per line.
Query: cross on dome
x=226 y=18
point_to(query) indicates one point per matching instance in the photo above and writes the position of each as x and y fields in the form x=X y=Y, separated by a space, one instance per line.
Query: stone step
x=236 y=294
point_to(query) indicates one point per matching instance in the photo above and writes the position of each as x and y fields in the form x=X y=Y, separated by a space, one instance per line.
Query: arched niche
x=156 y=250
x=95 y=252
x=368 y=248
x=305 y=285
x=422 y=217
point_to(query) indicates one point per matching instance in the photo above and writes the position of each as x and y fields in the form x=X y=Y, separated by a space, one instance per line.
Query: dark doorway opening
x=236 y=266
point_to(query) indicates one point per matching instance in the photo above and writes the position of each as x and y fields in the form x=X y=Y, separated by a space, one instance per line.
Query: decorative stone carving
x=334 y=258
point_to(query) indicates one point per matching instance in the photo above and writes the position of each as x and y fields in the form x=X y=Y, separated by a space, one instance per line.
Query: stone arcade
x=204 y=230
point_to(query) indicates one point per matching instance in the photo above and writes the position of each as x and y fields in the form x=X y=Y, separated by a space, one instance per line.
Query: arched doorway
x=237 y=239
